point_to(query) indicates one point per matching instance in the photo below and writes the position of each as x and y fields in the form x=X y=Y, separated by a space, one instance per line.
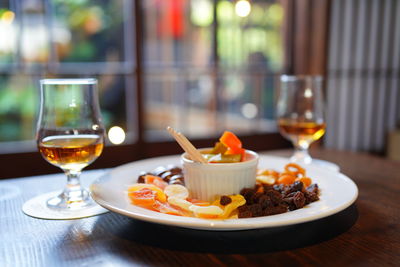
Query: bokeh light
x=7 y=17
x=249 y=110
x=242 y=8
x=116 y=135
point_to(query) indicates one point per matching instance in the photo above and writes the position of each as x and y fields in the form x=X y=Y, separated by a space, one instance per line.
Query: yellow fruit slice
x=176 y=190
x=181 y=203
x=265 y=179
x=208 y=212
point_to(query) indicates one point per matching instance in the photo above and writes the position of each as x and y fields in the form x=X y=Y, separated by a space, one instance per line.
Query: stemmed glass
x=300 y=113
x=70 y=135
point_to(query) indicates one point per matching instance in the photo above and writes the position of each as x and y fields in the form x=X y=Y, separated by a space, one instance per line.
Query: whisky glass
x=300 y=113
x=70 y=134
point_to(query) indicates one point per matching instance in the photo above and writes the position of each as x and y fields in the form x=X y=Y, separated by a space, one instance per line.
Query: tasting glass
x=300 y=113
x=70 y=134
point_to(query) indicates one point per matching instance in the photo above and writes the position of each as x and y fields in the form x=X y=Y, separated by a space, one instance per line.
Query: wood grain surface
x=365 y=234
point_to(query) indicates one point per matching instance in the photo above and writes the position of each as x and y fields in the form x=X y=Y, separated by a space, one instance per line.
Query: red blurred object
x=172 y=19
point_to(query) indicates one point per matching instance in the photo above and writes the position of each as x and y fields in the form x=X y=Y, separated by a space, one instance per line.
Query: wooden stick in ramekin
x=194 y=154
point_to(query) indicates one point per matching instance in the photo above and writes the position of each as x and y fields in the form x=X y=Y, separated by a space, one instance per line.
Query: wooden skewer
x=194 y=154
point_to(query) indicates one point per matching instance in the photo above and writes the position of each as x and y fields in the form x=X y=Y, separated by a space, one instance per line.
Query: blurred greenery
x=18 y=103
x=85 y=31
x=93 y=31
x=259 y=32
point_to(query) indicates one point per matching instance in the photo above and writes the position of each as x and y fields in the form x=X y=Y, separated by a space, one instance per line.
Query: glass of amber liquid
x=70 y=134
x=300 y=113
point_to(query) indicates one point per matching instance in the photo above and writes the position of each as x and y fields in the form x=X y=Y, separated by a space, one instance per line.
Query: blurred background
x=200 y=66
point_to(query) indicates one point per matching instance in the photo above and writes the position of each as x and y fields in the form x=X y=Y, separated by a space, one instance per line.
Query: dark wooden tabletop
x=365 y=234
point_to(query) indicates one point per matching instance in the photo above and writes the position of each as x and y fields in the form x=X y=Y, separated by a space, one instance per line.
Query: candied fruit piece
x=166 y=208
x=159 y=193
x=176 y=190
x=155 y=180
x=144 y=197
x=207 y=212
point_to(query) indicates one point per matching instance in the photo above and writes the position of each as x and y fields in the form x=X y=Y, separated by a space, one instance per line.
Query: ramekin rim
x=247 y=162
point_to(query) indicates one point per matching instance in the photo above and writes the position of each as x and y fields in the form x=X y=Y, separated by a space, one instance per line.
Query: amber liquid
x=301 y=133
x=71 y=152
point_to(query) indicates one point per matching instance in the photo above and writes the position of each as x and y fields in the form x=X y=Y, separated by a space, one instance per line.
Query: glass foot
x=74 y=200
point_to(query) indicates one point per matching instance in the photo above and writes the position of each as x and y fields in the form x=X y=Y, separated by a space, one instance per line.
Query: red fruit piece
x=230 y=140
x=166 y=208
x=155 y=180
x=144 y=197
x=233 y=143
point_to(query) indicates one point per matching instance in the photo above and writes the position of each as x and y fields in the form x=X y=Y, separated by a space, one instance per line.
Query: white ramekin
x=209 y=181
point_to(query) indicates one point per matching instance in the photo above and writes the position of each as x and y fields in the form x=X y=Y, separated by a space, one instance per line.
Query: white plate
x=337 y=192
x=326 y=164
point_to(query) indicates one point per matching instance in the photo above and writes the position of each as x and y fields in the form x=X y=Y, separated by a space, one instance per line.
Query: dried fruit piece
x=225 y=200
x=286 y=179
x=198 y=202
x=159 y=192
x=219 y=148
x=207 y=212
x=176 y=190
x=166 y=208
x=236 y=201
x=155 y=180
x=181 y=203
x=144 y=197
x=268 y=172
x=230 y=140
x=305 y=180
x=295 y=169
x=233 y=143
x=265 y=179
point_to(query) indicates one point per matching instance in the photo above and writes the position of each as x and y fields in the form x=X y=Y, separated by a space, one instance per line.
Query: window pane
x=250 y=34
x=248 y=102
x=184 y=100
x=177 y=59
x=64 y=39
x=250 y=49
x=118 y=105
x=177 y=32
x=89 y=31
x=19 y=102
x=35 y=49
x=186 y=90
x=8 y=31
x=18 y=107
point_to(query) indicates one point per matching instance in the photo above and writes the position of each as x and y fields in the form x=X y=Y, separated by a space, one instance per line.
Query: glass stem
x=73 y=191
x=301 y=155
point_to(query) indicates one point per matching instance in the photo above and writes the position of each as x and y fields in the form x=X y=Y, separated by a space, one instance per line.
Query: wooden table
x=365 y=234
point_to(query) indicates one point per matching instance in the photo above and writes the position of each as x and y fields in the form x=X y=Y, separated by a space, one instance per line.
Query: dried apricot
x=144 y=197
x=286 y=179
x=159 y=192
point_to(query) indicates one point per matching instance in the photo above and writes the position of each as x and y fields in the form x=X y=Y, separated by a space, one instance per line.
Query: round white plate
x=326 y=164
x=337 y=192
